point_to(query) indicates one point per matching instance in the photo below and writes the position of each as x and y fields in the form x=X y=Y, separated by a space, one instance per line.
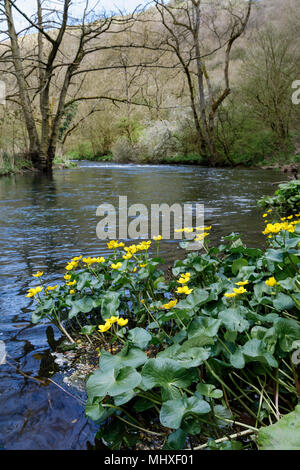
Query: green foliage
x=63 y=161
x=190 y=158
x=188 y=365
x=283 y=435
x=10 y=164
x=286 y=199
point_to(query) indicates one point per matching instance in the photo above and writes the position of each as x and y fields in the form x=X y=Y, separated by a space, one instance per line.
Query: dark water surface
x=46 y=221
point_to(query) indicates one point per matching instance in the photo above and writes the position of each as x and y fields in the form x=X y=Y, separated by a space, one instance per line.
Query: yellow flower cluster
x=184 y=279
x=184 y=290
x=72 y=265
x=289 y=226
x=239 y=291
x=200 y=236
x=34 y=291
x=108 y=324
x=133 y=249
x=89 y=261
x=114 y=244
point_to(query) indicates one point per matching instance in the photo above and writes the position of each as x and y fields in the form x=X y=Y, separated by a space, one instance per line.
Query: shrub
x=286 y=199
x=123 y=151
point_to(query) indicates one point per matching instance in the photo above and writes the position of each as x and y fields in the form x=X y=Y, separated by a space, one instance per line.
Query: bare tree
x=48 y=78
x=270 y=67
x=194 y=32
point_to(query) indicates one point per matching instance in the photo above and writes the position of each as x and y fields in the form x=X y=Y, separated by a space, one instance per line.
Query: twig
x=224 y=439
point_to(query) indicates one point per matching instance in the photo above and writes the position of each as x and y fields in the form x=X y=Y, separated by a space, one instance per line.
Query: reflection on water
x=45 y=221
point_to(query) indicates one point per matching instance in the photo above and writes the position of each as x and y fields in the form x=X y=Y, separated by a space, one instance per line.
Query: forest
x=184 y=82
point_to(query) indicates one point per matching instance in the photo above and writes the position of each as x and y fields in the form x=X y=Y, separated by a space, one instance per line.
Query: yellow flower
x=112 y=245
x=142 y=301
x=235 y=292
x=77 y=258
x=128 y=256
x=113 y=320
x=72 y=291
x=116 y=266
x=230 y=294
x=278 y=227
x=158 y=238
x=265 y=215
x=184 y=278
x=204 y=228
x=184 y=290
x=72 y=283
x=67 y=277
x=143 y=246
x=242 y=283
x=38 y=274
x=134 y=269
x=122 y=322
x=89 y=261
x=171 y=304
x=72 y=265
x=240 y=290
x=143 y=265
x=105 y=327
x=52 y=288
x=34 y=291
x=201 y=236
x=132 y=249
x=271 y=282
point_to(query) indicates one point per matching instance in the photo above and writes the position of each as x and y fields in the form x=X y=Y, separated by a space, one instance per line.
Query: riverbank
x=289 y=164
x=13 y=165
x=24 y=166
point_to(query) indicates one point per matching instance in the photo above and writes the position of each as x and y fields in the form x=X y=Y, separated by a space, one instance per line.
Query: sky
x=29 y=7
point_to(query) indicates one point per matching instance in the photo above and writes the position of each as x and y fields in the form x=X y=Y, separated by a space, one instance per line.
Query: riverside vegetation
x=202 y=356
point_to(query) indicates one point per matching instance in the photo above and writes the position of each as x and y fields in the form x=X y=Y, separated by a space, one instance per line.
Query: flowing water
x=46 y=221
